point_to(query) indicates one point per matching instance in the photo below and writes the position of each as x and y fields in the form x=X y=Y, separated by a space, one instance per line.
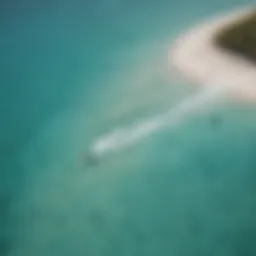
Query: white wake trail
x=122 y=138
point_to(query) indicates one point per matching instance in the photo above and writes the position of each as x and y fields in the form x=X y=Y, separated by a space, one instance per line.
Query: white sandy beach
x=195 y=55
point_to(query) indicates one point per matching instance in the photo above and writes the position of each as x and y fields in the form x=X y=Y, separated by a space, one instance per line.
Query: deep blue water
x=72 y=71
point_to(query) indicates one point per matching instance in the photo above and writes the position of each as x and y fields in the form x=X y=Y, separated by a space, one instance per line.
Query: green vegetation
x=240 y=37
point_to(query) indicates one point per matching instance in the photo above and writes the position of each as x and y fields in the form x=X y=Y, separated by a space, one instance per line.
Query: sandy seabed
x=196 y=56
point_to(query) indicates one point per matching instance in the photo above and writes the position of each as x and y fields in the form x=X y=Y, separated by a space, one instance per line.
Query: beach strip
x=196 y=56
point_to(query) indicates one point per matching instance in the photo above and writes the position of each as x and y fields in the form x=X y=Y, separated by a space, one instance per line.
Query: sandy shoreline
x=195 y=55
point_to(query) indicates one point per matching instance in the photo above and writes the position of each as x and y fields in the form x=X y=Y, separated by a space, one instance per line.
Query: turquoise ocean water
x=72 y=71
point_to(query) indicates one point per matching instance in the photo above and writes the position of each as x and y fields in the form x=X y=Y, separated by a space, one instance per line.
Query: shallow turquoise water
x=73 y=71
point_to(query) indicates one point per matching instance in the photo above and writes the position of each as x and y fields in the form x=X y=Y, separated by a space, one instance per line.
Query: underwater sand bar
x=198 y=57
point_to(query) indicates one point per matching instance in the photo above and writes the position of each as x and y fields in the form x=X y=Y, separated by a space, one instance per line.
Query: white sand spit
x=197 y=57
